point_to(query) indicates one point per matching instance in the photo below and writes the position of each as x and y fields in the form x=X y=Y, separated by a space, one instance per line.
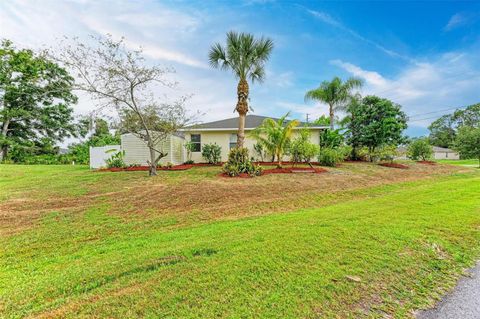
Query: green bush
x=330 y=157
x=420 y=149
x=301 y=149
x=212 y=153
x=239 y=163
x=383 y=153
x=116 y=161
x=331 y=139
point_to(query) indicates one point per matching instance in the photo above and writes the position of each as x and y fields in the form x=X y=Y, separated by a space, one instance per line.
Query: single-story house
x=438 y=153
x=445 y=153
x=223 y=133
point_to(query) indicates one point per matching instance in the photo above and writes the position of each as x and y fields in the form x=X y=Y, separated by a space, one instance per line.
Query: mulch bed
x=394 y=165
x=181 y=167
x=427 y=162
x=283 y=170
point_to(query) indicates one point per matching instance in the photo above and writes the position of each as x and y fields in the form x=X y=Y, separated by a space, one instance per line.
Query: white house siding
x=137 y=152
x=222 y=138
x=446 y=155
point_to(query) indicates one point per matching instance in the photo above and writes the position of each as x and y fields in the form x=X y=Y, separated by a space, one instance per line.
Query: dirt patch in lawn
x=230 y=198
x=198 y=195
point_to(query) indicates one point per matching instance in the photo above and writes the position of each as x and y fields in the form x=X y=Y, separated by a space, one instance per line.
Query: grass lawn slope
x=305 y=247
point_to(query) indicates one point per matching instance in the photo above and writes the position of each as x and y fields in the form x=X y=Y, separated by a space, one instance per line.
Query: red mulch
x=181 y=167
x=283 y=170
x=289 y=170
x=427 y=162
x=283 y=162
x=394 y=165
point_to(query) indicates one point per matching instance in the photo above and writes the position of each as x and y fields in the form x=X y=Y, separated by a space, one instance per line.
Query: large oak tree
x=35 y=100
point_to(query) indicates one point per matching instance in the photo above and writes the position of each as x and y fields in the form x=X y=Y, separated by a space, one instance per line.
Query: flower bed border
x=427 y=162
x=394 y=165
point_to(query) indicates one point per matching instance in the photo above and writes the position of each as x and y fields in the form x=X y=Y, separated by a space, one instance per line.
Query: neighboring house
x=445 y=153
x=438 y=153
x=224 y=133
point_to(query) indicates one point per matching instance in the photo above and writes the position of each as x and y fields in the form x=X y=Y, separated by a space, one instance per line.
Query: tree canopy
x=467 y=142
x=443 y=131
x=376 y=122
x=35 y=101
x=335 y=94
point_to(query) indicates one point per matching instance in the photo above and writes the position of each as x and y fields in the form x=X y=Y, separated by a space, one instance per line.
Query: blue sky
x=422 y=55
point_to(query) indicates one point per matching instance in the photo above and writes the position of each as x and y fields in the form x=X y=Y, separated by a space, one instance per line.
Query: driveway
x=462 y=303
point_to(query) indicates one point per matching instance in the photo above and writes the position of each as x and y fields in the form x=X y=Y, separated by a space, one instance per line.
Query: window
x=197 y=142
x=233 y=141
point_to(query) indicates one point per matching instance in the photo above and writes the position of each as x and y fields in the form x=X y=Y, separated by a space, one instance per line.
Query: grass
x=407 y=240
x=467 y=162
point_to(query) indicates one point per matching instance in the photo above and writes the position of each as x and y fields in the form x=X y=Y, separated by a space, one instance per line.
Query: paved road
x=462 y=303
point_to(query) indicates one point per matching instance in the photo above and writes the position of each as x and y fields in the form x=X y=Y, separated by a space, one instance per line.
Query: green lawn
x=468 y=162
x=407 y=242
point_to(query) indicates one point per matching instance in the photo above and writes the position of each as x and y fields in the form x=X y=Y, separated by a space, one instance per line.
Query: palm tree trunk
x=242 y=109
x=331 y=117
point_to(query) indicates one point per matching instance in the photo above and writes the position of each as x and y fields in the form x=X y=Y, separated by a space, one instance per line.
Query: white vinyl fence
x=99 y=154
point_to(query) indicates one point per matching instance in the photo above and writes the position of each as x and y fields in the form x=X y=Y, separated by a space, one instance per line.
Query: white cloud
x=451 y=80
x=328 y=19
x=458 y=20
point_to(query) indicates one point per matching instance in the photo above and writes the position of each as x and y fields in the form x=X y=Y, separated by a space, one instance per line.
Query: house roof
x=442 y=149
x=403 y=149
x=251 y=122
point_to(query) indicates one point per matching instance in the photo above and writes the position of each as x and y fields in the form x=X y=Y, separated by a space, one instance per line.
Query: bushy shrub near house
x=239 y=163
x=212 y=153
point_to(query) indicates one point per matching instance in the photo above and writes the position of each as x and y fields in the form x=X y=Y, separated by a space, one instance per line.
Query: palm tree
x=275 y=135
x=246 y=57
x=335 y=93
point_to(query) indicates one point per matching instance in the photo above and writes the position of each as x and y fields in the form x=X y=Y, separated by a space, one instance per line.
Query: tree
x=101 y=136
x=335 y=93
x=35 y=100
x=376 y=122
x=420 y=148
x=467 y=142
x=275 y=135
x=443 y=131
x=322 y=121
x=120 y=79
x=245 y=56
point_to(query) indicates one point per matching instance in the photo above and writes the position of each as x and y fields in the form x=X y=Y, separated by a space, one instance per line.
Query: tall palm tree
x=335 y=93
x=246 y=57
x=275 y=135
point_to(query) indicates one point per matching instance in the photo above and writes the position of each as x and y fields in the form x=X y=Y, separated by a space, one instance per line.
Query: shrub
x=331 y=139
x=260 y=151
x=303 y=150
x=116 y=161
x=189 y=147
x=169 y=165
x=239 y=163
x=212 y=153
x=189 y=161
x=330 y=156
x=383 y=153
x=420 y=149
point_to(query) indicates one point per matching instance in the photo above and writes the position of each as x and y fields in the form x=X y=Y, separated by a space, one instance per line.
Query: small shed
x=137 y=152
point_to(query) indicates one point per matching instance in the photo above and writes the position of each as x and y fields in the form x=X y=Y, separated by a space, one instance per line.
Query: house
x=445 y=153
x=223 y=133
x=438 y=153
